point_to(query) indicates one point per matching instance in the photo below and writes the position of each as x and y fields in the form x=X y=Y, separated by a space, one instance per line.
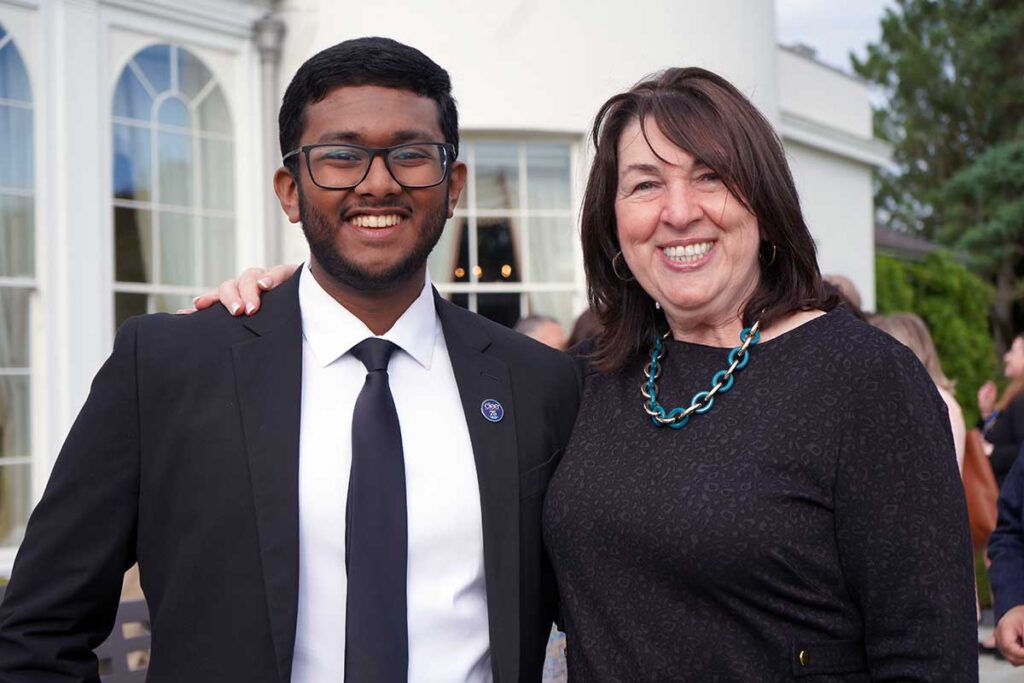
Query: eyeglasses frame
x=374 y=152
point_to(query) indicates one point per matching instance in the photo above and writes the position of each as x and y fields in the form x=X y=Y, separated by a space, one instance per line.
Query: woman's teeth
x=688 y=254
x=364 y=221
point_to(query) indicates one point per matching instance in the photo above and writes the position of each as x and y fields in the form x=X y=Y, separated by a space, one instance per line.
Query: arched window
x=174 y=200
x=17 y=286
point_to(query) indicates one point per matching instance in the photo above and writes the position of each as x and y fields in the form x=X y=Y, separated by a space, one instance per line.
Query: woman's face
x=689 y=242
x=1013 y=360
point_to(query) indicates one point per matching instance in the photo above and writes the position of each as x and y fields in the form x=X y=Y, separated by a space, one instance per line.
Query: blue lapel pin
x=492 y=410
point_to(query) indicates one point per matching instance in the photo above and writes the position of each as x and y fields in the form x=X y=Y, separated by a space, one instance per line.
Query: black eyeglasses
x=341 y=167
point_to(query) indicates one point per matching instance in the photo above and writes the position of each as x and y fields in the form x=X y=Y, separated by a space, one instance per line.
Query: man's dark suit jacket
x=1006 y=545
x=185 y=459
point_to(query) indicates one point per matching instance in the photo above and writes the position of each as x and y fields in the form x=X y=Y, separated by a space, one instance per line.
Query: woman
x=776 y=524
x=1003 y=420
x=909 y=330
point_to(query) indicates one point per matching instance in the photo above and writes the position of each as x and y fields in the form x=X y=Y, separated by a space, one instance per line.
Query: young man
x=345 y=486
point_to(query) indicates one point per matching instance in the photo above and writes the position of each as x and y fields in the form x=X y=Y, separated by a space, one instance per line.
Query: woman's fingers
x=242 y=294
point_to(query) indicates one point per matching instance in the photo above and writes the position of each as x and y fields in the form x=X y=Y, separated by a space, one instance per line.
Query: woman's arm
x=901 y=527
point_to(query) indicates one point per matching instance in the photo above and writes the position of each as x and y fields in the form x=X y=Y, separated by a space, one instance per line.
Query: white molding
x=232 y=18
x=868 y=151
x=26 y=4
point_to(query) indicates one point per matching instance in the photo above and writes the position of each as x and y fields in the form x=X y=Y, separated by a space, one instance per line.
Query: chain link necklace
x=702 y=401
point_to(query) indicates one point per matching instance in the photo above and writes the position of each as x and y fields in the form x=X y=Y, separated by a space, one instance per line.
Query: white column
x=268 y=34
x=77 y=229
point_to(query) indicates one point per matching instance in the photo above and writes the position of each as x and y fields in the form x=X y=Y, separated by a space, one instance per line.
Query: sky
x=833 y=27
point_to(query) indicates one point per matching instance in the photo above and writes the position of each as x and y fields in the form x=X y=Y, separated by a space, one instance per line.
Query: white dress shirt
x=447 y=602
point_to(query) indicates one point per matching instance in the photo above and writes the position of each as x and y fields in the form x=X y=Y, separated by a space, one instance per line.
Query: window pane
x=497 y=175
x=127 y=305
x=131 y=100
x=13 y=76
x=445 y=262
x=497 y=251
x=15 y=502
x=213 y=113
x=217 y=182
x=173 y=112
x=16 y=169
x=501 y=308
x=218 y=251
x=176 y=249
x=14 y=417
x=133 y=245
x=548 y=176
x=552 y=258
x=558 y=305
x=459 y=299
x=155 y=64
x=132 y=163
x=169 y=303
x=192 y=74
x=14 y=312
x=175 y=168
x=17 y=253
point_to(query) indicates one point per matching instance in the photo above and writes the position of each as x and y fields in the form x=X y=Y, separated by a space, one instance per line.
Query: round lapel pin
x=492 y=410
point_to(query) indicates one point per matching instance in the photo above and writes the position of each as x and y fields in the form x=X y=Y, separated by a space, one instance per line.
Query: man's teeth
x=364 y=221
x=689 y=253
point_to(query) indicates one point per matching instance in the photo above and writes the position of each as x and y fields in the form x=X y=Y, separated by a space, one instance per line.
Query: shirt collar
x=332 y=330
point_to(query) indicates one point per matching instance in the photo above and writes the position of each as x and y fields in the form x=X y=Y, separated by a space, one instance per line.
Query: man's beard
x=320 y=234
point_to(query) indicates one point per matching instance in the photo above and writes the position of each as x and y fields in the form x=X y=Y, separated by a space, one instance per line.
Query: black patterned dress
x=812 y=524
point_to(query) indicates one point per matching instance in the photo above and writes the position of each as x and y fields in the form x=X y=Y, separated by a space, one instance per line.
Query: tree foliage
x=952 y=75
x=954 y=302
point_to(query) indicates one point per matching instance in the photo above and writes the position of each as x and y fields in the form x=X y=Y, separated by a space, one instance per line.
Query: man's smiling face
x=376 y=235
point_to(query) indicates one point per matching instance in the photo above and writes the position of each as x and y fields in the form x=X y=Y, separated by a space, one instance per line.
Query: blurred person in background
x=544 y=329
x=587 y=326
x=848 y=294
x=1006 y=552
x=911 y=331
x=1003 y=419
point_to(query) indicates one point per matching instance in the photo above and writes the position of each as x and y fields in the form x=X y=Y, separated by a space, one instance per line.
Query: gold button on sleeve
x=804 y=657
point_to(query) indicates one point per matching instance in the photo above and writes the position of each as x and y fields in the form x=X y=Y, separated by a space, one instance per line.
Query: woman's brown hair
x=1014 y=388
x=704 y=115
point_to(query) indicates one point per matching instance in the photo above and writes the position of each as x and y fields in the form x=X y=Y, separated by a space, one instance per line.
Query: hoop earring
x=770 y=261
x=615 y=268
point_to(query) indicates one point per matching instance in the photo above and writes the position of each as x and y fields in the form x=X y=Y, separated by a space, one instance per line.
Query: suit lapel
x=481 y=376
x=268 y=379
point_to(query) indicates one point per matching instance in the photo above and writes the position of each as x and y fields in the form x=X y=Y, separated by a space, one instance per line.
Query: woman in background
x=1003 y=420
x=911 y=331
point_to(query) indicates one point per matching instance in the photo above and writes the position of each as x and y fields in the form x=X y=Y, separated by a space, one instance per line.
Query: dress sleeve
x=901 y=526
x=1006 y=545
x=63 y=595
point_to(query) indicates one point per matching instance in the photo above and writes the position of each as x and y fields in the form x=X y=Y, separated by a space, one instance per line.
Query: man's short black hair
x=366 y=61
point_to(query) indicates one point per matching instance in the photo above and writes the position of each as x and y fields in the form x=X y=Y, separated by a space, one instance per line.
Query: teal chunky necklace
x=677 y=418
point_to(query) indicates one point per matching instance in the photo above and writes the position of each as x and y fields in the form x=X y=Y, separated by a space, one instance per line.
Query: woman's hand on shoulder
x=243 y=293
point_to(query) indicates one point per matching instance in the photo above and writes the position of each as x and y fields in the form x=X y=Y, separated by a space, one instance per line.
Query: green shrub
x=955 y=304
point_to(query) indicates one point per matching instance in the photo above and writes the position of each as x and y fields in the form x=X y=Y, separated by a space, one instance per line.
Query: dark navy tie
x=376 y=534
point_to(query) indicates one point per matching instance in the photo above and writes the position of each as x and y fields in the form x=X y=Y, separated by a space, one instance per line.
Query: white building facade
x=138 y=140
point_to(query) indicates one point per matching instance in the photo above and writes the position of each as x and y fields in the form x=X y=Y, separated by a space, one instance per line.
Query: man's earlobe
x=456 y=185
x=287 y=190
